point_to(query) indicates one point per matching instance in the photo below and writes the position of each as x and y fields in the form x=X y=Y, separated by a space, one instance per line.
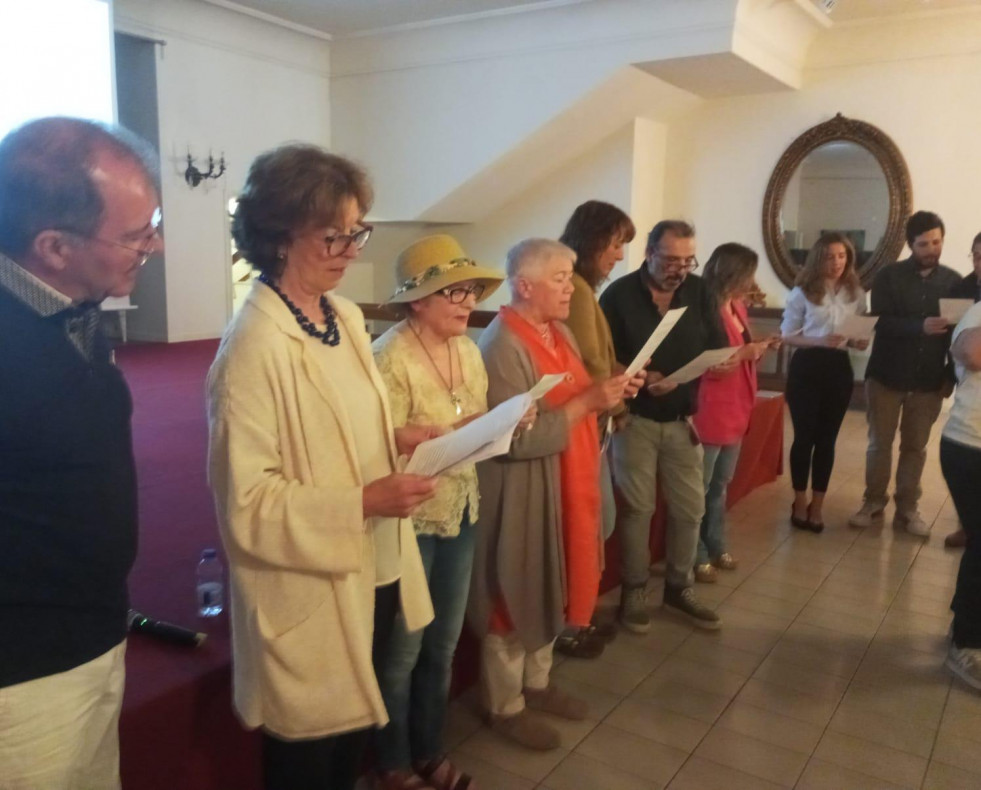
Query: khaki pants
x=507 y=668
x=61 y=732
x=914 y=413
x=643 y=450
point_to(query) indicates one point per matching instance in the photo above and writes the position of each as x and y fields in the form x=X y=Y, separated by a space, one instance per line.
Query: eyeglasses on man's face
x=338 y=245
x=147 y=245
x=676 y=262
x=459 y=294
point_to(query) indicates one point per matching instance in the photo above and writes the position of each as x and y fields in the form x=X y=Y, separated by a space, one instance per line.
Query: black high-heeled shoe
x=800 y=523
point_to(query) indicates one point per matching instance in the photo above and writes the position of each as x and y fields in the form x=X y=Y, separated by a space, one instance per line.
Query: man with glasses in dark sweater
x=78 y=217
x=658 y=440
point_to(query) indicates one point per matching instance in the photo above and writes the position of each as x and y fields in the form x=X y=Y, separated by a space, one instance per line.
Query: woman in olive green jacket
x=597 y=232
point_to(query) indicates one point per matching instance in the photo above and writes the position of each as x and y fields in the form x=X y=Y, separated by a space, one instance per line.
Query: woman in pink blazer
x=725 y=401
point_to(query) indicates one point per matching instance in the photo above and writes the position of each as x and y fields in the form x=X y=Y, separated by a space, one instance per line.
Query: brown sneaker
x=706 y=573
x=527 y=729
x=557 y=702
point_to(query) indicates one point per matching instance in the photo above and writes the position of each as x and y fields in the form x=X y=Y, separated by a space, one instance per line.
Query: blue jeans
x=720 y=466
x=415 y=676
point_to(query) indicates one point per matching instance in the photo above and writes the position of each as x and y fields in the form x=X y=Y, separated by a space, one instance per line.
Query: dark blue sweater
x=68 y=506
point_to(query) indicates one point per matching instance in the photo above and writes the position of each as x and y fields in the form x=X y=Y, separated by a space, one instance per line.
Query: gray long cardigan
x=519 y=552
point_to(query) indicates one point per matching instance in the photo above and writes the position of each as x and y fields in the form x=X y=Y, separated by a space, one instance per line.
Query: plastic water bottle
x=211 y=586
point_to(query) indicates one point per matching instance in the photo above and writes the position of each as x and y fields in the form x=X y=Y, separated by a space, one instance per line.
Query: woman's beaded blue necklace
x=331 y=336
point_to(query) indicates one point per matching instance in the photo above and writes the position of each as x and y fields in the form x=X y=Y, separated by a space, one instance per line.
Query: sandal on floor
x=402 y=780
x=579 y=643
x=606 y=631
x=443 y=775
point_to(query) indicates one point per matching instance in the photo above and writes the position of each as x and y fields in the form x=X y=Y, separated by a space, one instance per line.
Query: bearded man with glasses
x=79 y=210
x=657 y=440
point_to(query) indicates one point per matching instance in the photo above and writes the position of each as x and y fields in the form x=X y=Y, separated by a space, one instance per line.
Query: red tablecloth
x=760 y=462
x=177 y=730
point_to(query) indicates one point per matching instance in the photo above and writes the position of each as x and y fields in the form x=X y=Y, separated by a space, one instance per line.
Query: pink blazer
x=725 y=403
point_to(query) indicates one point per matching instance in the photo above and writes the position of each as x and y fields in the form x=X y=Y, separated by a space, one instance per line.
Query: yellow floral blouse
x=418 y=396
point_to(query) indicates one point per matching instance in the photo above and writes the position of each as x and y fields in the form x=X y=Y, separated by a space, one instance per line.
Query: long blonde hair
x=813 y=277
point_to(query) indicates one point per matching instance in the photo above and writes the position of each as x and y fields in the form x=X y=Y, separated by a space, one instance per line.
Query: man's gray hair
x=527 y=257
x=46 y=177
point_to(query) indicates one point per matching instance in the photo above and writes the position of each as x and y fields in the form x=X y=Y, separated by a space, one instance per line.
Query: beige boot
x=527 y=729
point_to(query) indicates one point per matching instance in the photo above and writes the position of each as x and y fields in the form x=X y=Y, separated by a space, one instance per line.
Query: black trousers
x=819 y=387
x=334 y=762
x=961 y=466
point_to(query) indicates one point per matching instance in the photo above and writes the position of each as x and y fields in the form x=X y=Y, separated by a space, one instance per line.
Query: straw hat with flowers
x=437 y=262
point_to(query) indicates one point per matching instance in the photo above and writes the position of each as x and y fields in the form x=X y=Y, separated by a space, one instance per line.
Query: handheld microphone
x=167 y=632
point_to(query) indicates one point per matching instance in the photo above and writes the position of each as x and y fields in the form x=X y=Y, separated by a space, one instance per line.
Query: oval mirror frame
x=886 y=153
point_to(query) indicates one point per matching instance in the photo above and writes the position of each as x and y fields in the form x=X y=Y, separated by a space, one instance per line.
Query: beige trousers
x=506 y=669
x=61 y=732
x=642 y=452
x=914 y=413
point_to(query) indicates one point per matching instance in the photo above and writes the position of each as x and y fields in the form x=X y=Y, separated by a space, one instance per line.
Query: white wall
x=228 y=83
x=434 y=109
x=608 y=172
x=918 y=86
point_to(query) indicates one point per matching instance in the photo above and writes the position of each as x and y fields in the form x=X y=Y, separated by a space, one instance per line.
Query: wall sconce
x=193 y=176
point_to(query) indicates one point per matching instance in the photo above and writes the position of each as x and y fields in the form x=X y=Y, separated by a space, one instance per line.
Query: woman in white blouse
x=820 y=379
x=435 y=375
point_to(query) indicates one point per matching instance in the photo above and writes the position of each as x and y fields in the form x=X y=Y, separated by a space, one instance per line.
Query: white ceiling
x=869 y=9
x=349 y=17
x=337 y=18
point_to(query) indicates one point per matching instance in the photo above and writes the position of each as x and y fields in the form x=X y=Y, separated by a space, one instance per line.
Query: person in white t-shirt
x=960 y=461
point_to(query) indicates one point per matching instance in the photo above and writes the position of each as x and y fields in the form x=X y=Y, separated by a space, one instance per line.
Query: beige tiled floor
x=827 y=673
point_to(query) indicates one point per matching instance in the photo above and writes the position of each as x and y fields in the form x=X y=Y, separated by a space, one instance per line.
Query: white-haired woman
x=538 y=555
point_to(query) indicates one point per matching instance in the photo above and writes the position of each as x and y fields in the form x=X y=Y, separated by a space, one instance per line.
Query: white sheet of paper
x=701 y=363
x=657 y=337
x=546 y=384
x=857 y=327
x=486 y=437
x=953 y=309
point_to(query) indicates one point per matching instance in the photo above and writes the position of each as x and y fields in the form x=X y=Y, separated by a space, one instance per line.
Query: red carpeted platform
x=177 y=730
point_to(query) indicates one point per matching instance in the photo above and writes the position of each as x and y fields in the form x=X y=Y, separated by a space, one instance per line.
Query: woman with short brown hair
x=302 y=466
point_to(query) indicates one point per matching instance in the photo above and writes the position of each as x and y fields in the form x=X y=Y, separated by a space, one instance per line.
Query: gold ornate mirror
x=842 y=175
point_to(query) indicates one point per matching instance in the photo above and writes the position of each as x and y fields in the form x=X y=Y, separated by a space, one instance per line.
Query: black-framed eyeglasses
x=338 y=245
x=678 y=263
x=459 y=294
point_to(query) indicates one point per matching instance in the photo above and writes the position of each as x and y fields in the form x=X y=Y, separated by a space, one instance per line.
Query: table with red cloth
x=760 y=462
x=177 y=729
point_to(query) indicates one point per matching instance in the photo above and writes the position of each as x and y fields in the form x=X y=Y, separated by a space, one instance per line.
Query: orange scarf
x=579 y=464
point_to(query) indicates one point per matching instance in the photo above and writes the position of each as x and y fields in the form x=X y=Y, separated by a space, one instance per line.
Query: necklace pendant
x=457 y=403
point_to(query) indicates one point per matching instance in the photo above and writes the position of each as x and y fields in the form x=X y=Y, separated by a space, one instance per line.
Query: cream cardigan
x=287 y=487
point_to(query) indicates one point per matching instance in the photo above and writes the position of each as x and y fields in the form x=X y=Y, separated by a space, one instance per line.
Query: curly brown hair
x=287 y=190
x=589 y=231
x=812 y=279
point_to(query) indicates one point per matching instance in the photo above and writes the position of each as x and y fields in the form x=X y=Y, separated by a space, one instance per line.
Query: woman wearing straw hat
x=435 y=376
